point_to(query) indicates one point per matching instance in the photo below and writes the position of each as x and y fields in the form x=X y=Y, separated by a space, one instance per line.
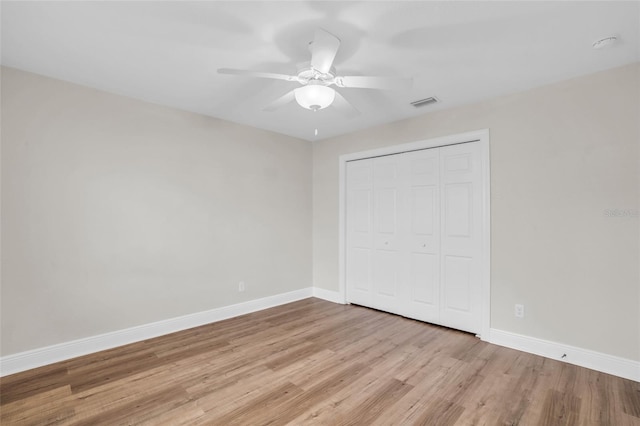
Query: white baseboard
x=598 y=361
x=329 y=295
x=22 y=361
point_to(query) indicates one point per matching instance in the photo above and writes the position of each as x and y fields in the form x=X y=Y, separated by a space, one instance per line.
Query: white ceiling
x=461 y=52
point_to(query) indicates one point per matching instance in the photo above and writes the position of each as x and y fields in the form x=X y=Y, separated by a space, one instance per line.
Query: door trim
x=478 y=136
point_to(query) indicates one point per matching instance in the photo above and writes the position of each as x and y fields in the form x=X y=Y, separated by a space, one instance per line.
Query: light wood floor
x=314 y=362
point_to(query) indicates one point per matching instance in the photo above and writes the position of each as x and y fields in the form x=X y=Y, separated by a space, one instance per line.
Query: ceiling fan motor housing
x=309 y=75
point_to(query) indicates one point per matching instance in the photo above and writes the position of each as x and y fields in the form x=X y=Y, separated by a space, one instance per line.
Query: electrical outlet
x=241 y=286
x=519 y=310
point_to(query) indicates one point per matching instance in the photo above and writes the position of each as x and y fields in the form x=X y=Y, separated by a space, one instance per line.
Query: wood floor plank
x=338 y=406
x=371 y=408
x=239 y=393
x=423 y=395
x=630 y=398
x=112 y=373
x=516 y=395
x=20 y=386
x=253 y=411
x=188 y=414
x=116 y=396
x=315 y=362
x=560 y=409
x=439 y=412
x=316 y=394
x=141 y=409
x=51 y=415
x=25 y=412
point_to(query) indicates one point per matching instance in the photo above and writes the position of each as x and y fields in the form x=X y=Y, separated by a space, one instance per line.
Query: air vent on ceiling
x=425 y=101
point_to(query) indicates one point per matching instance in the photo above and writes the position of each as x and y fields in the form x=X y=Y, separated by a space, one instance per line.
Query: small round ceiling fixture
x=604 y=42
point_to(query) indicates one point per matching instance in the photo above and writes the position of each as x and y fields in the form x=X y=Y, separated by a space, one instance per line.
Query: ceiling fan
x=317 y=77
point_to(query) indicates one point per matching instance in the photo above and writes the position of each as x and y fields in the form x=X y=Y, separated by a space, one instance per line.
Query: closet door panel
x=387 y=265
x=457 y=283
x=458 y=222
x=423 y=234
x=461 y=185
x=360 y=211
x=385 y=274
x=360 y=267
x=424 y=280
x=359 y=244
x=386 y=182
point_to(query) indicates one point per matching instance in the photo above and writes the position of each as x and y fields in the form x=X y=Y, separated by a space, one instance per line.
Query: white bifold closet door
x=414 y=235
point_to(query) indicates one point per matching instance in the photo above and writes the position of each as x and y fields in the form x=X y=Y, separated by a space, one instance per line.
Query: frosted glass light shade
x=314 y=96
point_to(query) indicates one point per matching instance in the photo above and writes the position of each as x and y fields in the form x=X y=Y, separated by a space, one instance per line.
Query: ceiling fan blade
x=281 y=101
x=323 y=50
x=344 y=107
x=363 y=82
x=258 y=74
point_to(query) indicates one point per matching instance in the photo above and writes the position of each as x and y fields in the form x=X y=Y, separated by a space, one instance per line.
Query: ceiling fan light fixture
x=314 y=96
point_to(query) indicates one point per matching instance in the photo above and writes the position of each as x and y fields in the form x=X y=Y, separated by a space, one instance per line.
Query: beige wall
x=560 y=156
x=117 y=212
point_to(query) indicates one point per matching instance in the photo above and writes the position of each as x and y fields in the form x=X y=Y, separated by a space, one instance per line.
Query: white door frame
x=479 y=136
